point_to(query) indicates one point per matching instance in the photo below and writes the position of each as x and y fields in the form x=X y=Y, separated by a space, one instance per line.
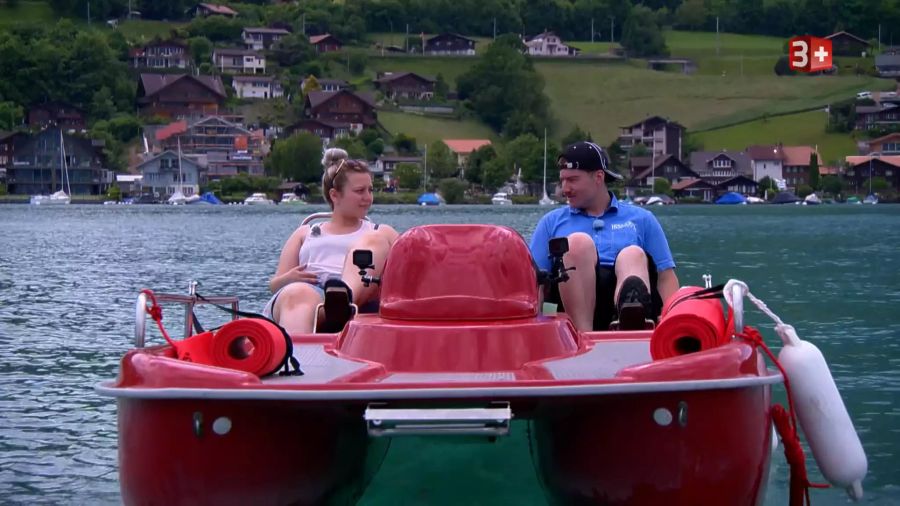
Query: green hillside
x=806 y=128
x=427 y=129
x=25 y=12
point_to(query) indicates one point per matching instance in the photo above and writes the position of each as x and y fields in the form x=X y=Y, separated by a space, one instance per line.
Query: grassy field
x=806 y=128
x=26 y=12
x=427 y=129
x=602 y=98
x=141 y=30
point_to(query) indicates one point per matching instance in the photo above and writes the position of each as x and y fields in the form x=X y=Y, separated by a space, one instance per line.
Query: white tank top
x=323 y=254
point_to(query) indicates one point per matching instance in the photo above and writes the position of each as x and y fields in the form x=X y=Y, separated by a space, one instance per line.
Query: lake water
x=69 y=277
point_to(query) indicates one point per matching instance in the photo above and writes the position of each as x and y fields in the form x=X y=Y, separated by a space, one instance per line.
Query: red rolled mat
x=688 y=325
x=249 y=345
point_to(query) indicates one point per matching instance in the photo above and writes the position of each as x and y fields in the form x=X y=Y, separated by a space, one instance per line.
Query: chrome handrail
x=189 y=301
x=737 y=305
x=382 y=421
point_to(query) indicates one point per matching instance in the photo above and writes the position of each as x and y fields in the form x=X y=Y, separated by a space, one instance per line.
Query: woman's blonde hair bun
x=333 y=156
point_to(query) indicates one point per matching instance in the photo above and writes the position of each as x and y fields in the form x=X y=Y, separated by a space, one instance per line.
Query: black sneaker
x=338 y=309
x=634 y=304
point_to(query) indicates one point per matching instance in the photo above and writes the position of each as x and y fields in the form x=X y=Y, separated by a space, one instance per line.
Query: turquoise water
x=69 y=277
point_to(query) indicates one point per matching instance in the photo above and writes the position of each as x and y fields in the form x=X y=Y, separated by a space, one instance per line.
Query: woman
x=316 y=260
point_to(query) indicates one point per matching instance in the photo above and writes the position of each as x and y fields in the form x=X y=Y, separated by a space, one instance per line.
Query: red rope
x=155 y=312
x=786 y=425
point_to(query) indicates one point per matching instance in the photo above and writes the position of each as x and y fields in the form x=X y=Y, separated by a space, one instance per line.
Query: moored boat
x=258 y=199
x=501 y=199
x=615 y=417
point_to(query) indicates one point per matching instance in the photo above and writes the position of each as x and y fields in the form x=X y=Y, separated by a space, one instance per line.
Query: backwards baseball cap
x=586 y=156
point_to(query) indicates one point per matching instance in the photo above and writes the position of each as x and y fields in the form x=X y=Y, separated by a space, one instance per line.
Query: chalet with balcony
x=208 y=9
x=355 y=110
x=221 y=147
x=405 y=85
x=450 y=44
x=669 y=168
x=661 y=136
x=36 y=164
x=165 y=54
x=264 y=87
x=239 y=61
x=326 y=43
x=547 y=44
x=52 y=114
x=258 y=39
x=847 y=44
x=861 y=169
x=180 y=95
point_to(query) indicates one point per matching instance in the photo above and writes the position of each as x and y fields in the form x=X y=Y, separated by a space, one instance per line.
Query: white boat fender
x=822 y=414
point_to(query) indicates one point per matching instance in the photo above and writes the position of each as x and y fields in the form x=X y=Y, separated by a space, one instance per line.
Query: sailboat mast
x=180 y=175
x=545 y=161
x=64 y=169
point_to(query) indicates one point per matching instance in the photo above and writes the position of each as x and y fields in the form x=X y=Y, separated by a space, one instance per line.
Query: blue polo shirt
x=619 y=226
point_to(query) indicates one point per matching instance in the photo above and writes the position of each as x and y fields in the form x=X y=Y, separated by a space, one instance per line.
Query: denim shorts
x=269 y=310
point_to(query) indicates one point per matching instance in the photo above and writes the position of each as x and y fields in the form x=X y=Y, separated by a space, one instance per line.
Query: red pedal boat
x=459 y=347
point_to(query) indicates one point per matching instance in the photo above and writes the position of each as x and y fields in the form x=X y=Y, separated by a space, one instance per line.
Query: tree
x=114 y=193
x=408 y=175
x=502 y=82
x=783 y=67
x=11 y=115
x=297 y=158
x=353 y=146
x=311 y=84
x=642 y=35
x=292 y=50
x=766 y=185
x=803 y=190
x=691 y=14
x=814 y=171
x=440 y=161
x=496 y=172
x=574 y=135
x=525 y=152
x=638 y=150
x=832 y=185
x=441 y=89
x=358 y=62
x=405 y=144
x=453 y=190
x=217 y=29
x=521 y=123
x=662 y=185
x=477 y=161
x=201 y=48
x=880 y=184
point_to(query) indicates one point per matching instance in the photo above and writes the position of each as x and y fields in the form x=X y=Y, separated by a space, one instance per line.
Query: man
x=623 y=265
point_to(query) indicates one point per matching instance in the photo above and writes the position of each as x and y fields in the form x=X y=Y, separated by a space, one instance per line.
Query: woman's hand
x=293 y=275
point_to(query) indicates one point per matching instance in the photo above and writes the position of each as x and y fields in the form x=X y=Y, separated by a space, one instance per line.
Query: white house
x=239 y=61
x=256 y=87
x=258 y=39
x=548 y=44
x=766 y=161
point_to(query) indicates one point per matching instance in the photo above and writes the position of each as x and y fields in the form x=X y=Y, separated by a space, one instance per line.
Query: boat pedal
x=631 y=317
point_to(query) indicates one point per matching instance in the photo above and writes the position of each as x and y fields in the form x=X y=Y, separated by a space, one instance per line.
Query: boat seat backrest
x=459 y=272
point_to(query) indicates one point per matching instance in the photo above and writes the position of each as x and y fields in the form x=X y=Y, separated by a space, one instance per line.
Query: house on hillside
x=694 y=188
x=327 y=84
x=239 y=61
x=166 y=173
x=888 y=64
x=180 y=95
x=164 y=54
x=766 y=161
x=259 y=38
x=355 y=110
x=326 y=43
x=796 y=164
x=220 y=147
x=880 y=115
x=661 y=136
x=405 y=85
x=36 y=167
x=7 y=140
x=860 y=169
x=547 y=44
x=257 y=87
x=450 y=44
x=847 y=44
x=668 y=167
x=462 y=148
x=208 y=9
x=885 y=145
x=59 y=114
x=715 y=167
x=385 y=164
x=326 y=130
